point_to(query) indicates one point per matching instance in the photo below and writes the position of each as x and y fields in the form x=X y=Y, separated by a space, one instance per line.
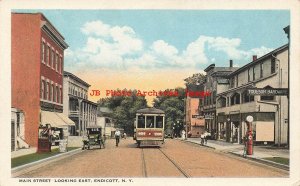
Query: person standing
x=183 y=134
x=117 y=136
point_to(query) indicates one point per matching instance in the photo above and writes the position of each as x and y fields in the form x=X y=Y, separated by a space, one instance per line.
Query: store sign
x=208 y=116
x=268 y=92
x=197 y=116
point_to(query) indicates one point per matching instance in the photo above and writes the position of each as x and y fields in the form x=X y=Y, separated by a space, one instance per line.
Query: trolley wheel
x=138 y=144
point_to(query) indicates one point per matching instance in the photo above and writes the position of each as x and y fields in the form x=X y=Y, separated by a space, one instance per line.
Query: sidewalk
x=259 y=152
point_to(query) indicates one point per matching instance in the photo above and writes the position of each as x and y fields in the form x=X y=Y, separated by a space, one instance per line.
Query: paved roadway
x=174 y=159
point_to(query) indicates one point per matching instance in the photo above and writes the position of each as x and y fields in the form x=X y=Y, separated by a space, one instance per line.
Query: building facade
x=37 y=66
x=214 y=83
x=76 y=104
x=270 y=112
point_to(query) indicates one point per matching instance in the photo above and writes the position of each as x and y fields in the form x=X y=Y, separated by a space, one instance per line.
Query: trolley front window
x=150 y=121
x=141 y=122
x=159 y=121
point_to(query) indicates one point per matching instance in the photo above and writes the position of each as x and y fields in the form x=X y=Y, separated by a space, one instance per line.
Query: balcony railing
x=74 y=113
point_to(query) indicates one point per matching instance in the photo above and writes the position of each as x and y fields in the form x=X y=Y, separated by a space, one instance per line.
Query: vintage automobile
x=93 y=137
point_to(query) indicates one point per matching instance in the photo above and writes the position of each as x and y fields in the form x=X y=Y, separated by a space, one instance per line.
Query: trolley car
x=149 y=127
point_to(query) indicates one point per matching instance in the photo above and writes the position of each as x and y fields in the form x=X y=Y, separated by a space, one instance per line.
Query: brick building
x=37 y=66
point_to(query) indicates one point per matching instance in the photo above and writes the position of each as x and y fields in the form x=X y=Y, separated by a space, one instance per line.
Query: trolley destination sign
x=268 y=92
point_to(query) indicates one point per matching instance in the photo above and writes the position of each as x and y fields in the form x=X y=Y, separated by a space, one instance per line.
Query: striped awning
x=55 y=119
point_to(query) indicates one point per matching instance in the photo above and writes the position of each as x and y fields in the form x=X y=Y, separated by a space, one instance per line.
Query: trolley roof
x=150 y=111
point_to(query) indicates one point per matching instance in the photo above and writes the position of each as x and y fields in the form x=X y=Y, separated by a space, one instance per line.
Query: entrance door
x=13 y=135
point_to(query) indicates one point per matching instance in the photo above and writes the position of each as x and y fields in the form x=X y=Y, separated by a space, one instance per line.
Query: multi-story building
x=270 y=112
x=215 y=82
x=37 y=66
x=194 y=121
x=76 y=104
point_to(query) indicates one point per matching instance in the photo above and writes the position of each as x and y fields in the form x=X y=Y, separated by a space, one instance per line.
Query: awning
x=55 y=119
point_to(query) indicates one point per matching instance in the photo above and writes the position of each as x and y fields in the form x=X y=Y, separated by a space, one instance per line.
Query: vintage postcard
x=167 y=93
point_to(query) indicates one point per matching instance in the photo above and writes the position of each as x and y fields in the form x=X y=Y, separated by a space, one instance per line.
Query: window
x=47 y=91
x=273 y=63
x=52 y=59
x=54 y=94
x=214 y=97
x=56 y=63
x=159 y=121
x=60 y=65
x=61 y=97
x=246 y=97
x=253 y=73
x=43 y=52
x=141 y=122
x=58 y=94
x=50 y=92
x=221 y=102
x=42 y=89
x=232 y=82
x=235 y=99
x=150 y=121
x=237 y=80
x=48 y=55
x=249 y=75
x=262 y=70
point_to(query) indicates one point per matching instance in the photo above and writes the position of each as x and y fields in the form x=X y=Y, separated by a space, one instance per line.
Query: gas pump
x=249 y=135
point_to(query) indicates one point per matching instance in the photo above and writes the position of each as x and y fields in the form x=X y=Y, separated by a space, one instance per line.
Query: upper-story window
x=61 y=97
x=214 y=95
x=54 y=94
x=273 y=64
x=249 y=75
x=232 y=82
x=58 y=94
x=43 y=51
x=235 y=99
x=47 y=91
x=60 y=65
x=261 y=70
x=246 y=97
x=42 y=89
x=253 y=73
x=52 y=58
x=221 y=102
x=48 y=56
x=56 y=63
x=237 y=80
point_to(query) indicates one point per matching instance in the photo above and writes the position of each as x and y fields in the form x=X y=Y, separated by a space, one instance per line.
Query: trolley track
x=144 y=165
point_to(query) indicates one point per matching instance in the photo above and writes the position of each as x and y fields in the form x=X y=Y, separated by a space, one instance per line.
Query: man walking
x=117 y=136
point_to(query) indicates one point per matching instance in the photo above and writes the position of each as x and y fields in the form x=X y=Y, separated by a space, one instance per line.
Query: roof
x=280 y=49
x=150 y=111
x=69 y=74
x=105 y=110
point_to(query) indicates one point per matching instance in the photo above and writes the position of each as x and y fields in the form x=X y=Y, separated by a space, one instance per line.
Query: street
x=175 y=158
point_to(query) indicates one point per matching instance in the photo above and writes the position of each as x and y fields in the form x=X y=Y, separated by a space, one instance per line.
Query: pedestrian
x=202 y=138
x=183 y=134
x=124 y=135
x=117 y=136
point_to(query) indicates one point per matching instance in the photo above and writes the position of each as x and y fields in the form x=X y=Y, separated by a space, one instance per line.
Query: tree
x=195 y=79
x=124 y=109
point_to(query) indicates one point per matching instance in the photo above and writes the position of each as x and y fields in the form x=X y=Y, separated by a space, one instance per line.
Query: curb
x=267 y=162
x=198 y=144
x=22 y=169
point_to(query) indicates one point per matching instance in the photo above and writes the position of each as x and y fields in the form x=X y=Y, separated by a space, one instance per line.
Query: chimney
x=254 y=57
x=230 y=63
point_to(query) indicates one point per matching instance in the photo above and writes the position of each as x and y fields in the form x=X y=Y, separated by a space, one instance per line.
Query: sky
x=156 y=49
